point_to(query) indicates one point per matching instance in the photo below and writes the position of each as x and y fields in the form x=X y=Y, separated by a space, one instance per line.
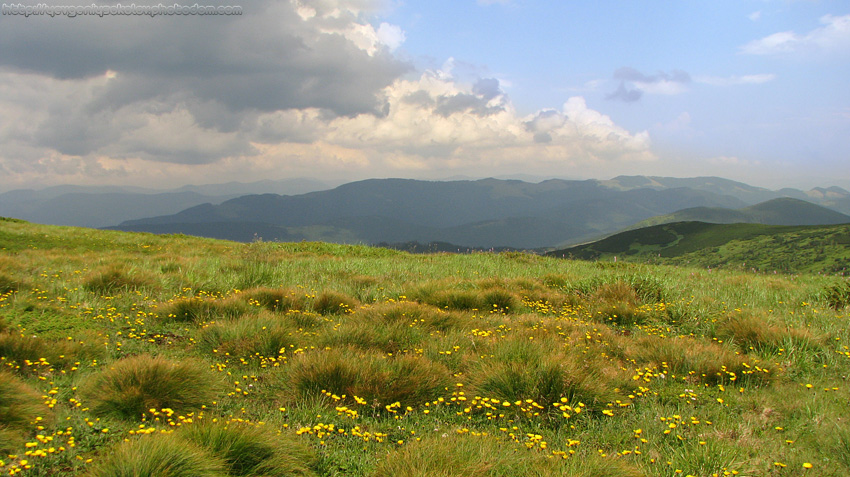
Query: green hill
x=781 y=211
x=762 y=247
x=139 y=354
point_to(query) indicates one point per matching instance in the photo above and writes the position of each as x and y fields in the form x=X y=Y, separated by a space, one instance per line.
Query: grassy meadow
x=136 y=354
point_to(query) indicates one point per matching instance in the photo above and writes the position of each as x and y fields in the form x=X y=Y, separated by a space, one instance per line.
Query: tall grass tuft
x=165 y=455
x=45 y=354
x=265 y=336
x=374 y=377
x=8 y=284
x=20 y=406
x=275 y=299
x=197 y=309
x=545 y=372
x=334 y=303
x=132 y=386
x=249 y=450
x=484 y=456
x=752 y=333
x=117 y=278
x=838 y=296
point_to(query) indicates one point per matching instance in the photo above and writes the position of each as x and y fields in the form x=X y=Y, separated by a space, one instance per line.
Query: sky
x=751 y=90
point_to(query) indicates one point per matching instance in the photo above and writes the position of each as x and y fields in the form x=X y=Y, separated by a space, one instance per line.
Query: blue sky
x=752 y=90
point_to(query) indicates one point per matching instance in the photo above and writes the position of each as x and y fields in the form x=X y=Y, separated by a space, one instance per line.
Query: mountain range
x=491 y=212
x=101 y=206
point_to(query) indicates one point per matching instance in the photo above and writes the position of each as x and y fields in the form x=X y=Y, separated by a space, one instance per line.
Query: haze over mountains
x=103 y=206
x=492 y=212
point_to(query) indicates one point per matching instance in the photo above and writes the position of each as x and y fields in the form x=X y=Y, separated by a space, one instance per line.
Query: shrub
x=20 y=406
x=249 y=450
x=132 y=386
x=158 y=455
x=333 y=303
x=378 y=379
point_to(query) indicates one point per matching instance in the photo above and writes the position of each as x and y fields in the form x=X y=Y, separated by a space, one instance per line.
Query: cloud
x=755 y=16
x=624 y=94
x=290 y=88
x=277 y=55
x=736 y=80
x=633 y=84
x=833 y=36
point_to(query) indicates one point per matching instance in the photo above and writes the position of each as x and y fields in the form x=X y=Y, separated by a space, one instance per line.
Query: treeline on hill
x=137 y=354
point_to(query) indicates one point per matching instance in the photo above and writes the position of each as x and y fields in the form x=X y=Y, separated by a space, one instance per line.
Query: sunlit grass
x=233 y=359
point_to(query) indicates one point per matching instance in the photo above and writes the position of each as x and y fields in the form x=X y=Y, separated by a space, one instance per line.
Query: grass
x=142 y=353
x=133 y=386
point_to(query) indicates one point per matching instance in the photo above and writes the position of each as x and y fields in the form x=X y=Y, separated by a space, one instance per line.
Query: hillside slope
x=817 y=249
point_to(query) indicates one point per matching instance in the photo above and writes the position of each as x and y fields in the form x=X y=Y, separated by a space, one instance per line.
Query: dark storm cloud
x=220 y=68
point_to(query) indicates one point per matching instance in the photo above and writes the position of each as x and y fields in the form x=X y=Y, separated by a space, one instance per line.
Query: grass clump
x=838 y=296
x=20 y=407
x=34 y=354
x=113 y=279
x=334 y=303
x=544 y=371
x=200 y=309
x=247 y=449
x=263 y=336
x=132 y=386
x=752 y=333
x=274 y=299
x=484 y=456
x=374 y=377
x=159 y=455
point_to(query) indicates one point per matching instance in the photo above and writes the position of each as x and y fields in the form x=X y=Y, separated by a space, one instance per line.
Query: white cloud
x=390 y=35
x=755 y=16
x=834 y=35
x=736 y=80
x=328 y=99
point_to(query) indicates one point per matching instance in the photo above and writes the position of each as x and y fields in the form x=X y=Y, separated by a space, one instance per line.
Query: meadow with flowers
x=137 y=354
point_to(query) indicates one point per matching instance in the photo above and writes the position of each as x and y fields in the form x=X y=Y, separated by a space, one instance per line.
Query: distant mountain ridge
x=101 y=206
x=480 y=213
x=782 y=211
